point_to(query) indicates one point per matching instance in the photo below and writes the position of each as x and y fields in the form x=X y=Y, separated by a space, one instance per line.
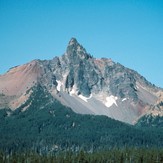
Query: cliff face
x=86 y=84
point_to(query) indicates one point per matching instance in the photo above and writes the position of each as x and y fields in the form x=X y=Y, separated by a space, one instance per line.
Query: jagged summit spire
x=75 y=49
x=73 y=41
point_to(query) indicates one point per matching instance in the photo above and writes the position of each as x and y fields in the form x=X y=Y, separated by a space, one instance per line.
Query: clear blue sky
x=128 y=31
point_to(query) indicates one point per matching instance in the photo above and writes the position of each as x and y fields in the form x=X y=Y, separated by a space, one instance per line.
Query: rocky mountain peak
x=85 y=84
x=73 y=41
x=76 y=50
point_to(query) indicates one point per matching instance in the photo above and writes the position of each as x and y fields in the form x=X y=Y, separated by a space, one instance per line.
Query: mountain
x=75 y=102
x=85 y=84
x=154 y=116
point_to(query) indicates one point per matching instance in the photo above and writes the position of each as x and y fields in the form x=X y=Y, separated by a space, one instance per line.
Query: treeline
x=48 y=126
x=127 y=155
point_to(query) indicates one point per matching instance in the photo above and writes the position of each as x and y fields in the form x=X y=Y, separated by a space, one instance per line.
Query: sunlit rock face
x=84 y=83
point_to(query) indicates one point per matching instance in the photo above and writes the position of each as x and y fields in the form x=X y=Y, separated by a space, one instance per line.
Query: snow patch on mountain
x=110 y=101
x=124 y=99
x=59 y=84
x=85 y=98
x=73 y=91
